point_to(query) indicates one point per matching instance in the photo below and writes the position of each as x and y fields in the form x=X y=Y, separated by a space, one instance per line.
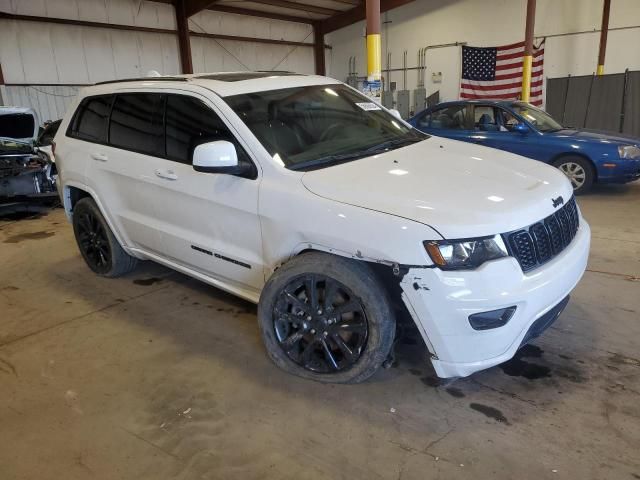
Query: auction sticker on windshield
x=368 y=106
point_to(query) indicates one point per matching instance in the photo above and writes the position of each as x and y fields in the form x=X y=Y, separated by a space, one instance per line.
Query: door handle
x=166 y=174
x=100 y=157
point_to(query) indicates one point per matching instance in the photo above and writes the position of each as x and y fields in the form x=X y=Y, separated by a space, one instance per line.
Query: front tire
x=326 y=318
x=579 y=171
x=98 y=246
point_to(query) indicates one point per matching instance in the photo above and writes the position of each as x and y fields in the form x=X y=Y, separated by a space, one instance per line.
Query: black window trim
x=253 y=175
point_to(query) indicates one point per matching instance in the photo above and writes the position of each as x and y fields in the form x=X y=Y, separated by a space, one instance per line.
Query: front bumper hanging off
x=441 y=302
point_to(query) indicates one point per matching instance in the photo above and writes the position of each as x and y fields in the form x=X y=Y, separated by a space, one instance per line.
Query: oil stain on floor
x=147 y=281
x=518 y=367
x=29 y=236
x=490 y=412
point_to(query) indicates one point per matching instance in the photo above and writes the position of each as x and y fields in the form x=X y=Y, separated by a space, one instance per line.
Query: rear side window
x=189 y=122
x=91 y=118
x=136 y=123
x=485 y=118
x=453 y=117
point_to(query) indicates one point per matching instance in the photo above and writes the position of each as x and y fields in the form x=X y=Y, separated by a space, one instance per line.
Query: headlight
x=629 y=151
x=465 y=254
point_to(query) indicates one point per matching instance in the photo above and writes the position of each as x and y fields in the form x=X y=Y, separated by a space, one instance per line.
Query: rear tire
x=98 y=246
x=579 y=171
x=326 y=318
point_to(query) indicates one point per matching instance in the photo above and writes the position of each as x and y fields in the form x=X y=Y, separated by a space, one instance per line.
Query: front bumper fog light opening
x=492 y=319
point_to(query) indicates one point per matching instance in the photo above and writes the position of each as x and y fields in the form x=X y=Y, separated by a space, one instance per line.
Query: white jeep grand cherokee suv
x=298 y=193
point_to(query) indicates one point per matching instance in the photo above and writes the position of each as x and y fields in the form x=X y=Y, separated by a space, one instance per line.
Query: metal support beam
x=357 y=14
x=318 y=49
x=603 y=36
x=259 y=14
x=300 y=7
x=192 y=7
x=82 y=23
x=114 y=26
x=527 y=59
x=374 y=45
x=184 y=44
x=236 y=38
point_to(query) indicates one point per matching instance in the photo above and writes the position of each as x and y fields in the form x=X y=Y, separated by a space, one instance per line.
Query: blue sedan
x=585 y=157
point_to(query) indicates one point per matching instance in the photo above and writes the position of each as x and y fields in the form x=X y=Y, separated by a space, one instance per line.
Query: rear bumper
x=441 y=302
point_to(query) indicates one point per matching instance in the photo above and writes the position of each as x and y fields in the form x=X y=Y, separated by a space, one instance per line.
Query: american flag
x=496 y=73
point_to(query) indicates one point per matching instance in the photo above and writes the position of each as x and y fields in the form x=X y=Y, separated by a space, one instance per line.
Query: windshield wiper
x=322 y=161
x=339 y=158
x=385 y=146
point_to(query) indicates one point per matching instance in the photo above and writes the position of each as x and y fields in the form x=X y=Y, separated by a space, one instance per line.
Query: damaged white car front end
x=27 y=175
x=503 y=244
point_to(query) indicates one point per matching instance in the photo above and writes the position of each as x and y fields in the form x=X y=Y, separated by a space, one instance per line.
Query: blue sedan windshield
x=538 y=118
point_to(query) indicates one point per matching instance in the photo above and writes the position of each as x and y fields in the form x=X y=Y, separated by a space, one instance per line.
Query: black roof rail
x=141 y=79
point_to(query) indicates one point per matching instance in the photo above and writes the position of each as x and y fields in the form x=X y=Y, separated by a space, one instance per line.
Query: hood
x=596 y=136
x=19 y=123
x=459 y=189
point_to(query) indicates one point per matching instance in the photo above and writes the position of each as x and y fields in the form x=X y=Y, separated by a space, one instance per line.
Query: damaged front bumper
x=441 y=302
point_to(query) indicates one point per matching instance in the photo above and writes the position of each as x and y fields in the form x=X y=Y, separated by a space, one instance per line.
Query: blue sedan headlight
x=630 y=152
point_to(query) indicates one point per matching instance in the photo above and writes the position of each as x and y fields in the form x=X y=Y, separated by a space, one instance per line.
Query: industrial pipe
x=527 y=59
x=603 y=36
x=374 y=45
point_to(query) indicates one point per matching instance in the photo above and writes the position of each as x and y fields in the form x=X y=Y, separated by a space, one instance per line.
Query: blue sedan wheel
x=579 y=172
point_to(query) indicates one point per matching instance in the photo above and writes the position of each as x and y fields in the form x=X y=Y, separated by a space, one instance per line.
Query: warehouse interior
x=157 y=374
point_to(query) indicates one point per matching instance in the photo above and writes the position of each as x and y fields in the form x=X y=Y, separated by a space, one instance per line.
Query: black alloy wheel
x=320 y=324
x=93 y=242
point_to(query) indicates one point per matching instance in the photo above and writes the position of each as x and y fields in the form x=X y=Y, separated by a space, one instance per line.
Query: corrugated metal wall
x=42 y=54
x=607 y=102
x=50 y=102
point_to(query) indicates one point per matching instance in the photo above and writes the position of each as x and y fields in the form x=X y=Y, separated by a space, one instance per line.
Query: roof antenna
x=153 y=73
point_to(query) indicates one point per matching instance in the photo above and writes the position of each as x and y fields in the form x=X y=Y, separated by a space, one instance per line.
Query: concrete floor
x=157 y=376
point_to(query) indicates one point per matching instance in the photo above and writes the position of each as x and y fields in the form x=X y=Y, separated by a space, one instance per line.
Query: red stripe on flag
x=519 y=55
x=510 y=46
x=492 y=86
x=509 y=66
x=506 y=76
x=502 y=96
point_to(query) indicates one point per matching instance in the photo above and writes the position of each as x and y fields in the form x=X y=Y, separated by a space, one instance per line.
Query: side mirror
x=395 y=113
x=521 y=128
x=217 y=157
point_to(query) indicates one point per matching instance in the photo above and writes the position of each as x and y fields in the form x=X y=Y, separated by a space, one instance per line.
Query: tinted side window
x=136 y=123
x=452 y=118
x=189 y=122
x=90 y=121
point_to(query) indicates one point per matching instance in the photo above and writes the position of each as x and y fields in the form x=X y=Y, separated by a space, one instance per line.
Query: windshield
x=17 y=125
x=538 y=118
x=321 y=125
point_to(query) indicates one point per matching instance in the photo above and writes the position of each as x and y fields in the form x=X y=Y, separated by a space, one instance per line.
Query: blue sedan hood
x=595 y=136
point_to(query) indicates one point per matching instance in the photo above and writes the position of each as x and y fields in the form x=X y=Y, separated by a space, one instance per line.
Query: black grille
x=540 y=242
